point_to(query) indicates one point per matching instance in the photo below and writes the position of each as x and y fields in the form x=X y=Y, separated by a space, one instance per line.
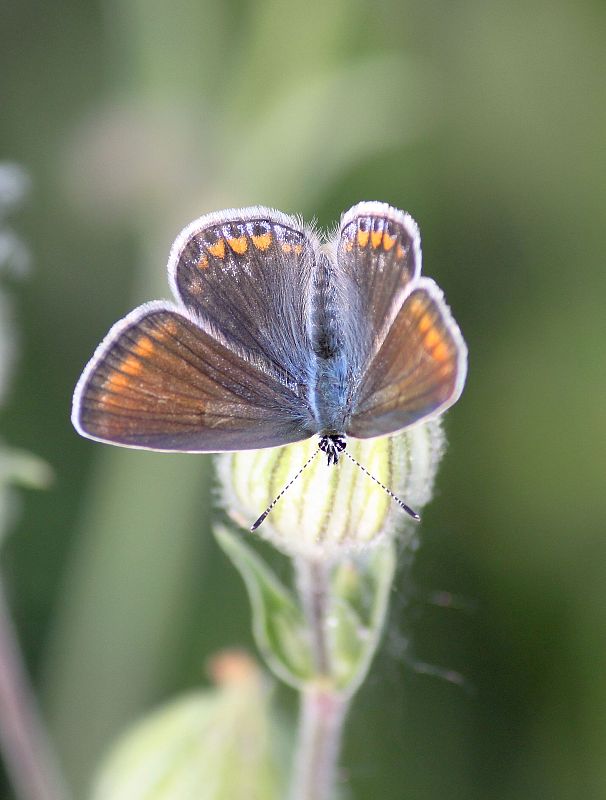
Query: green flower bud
x=215 y=744
x=329 y=510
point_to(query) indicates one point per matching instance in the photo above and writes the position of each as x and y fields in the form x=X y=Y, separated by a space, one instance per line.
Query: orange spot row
x=378 y=239
x=239 y=245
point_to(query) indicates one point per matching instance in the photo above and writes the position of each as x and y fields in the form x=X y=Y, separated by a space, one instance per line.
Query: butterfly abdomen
x=330 y=394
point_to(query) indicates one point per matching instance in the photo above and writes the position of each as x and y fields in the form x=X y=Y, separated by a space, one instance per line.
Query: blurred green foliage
x=487 y=122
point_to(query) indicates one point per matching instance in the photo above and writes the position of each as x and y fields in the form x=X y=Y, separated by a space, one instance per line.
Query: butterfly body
x=275 y=337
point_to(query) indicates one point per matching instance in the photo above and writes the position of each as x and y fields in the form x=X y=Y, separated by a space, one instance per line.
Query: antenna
x=333 y=445
x=256 y=524
x=401 y=503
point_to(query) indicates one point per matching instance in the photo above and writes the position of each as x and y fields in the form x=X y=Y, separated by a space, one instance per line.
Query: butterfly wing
x=417 y=371
x=158 y=381
x=378 y=252
x=245 y=275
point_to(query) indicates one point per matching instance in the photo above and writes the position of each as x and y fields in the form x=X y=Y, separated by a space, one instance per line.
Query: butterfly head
x=333 y=445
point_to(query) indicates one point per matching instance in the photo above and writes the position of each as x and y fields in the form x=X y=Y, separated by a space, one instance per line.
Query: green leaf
x=215 y=744
x=24 y=469
x=279 y=625
x=360 y=588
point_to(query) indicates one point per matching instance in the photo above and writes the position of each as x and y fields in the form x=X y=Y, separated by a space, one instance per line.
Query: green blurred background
x=487 y=122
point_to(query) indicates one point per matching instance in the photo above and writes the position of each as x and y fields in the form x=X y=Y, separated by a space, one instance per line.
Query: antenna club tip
x=258 y=522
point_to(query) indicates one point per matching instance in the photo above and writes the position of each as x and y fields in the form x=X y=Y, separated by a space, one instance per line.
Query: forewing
x=378 y=255
x=418 y=371
x=246 y=273
x=160 y=382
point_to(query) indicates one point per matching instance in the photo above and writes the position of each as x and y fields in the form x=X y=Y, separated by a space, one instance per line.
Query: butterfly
x=276 y=336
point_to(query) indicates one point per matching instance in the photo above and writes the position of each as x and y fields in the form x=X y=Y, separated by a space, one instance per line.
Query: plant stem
x=323 y=712
x=313 y=585
x=323 y=708
x=25 y=748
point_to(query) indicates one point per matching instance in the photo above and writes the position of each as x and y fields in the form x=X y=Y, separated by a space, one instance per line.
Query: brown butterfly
x=275 y=336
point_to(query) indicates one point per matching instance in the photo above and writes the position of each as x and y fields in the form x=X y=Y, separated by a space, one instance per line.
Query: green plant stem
x=25 y=748
x=323 y=708
x=323 y=712
x=313 y=586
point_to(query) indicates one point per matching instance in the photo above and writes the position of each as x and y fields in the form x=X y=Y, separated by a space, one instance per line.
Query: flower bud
x=188 y=748
x=329 y=510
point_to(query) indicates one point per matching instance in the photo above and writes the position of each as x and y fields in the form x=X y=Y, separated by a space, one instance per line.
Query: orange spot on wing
x=432 y=338
x=363 y=237
x=203 y=262
x=217 y=249
x=117 y=382
x=292 y=248
x=388 y=242
x=131 y=365
x=425 y=322
x=263 y=241
x=416 y=306
x=441 y=352
x=144 y=347
x=400 y=251
x=239 y=245
x=109 y=399
x=376 y=238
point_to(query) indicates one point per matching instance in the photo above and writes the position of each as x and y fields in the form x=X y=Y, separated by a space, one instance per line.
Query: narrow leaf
x=278 y=622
